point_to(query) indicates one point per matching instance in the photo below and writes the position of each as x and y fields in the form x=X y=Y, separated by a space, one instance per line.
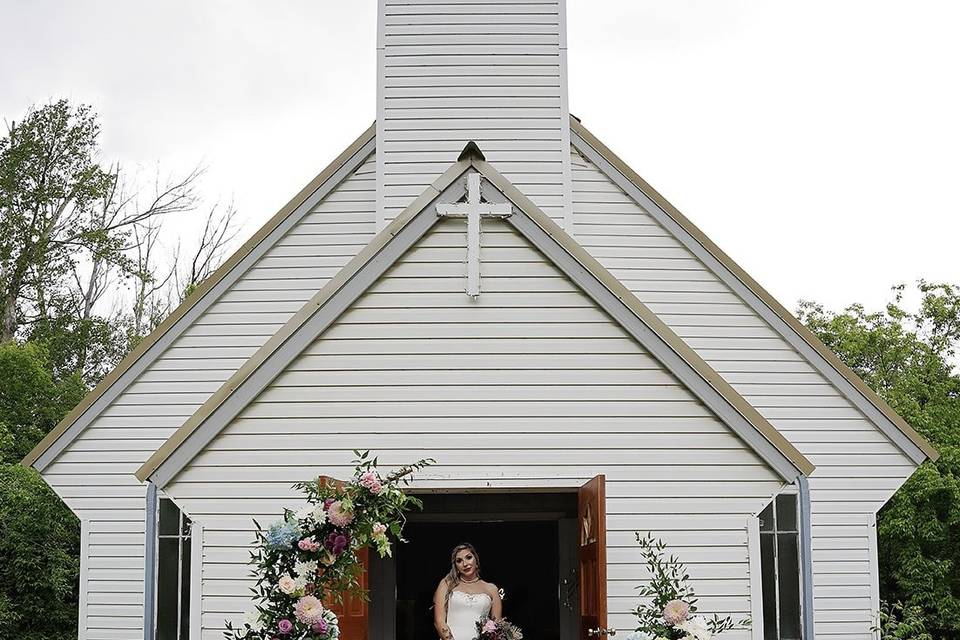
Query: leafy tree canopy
x=908 y=357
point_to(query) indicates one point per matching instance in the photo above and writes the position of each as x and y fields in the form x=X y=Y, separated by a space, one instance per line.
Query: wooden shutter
x=591 y=500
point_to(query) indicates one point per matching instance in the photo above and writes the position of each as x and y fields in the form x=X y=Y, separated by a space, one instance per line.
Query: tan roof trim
x=149 y=469
x=630 y=300
x=198 y=294
x=751 y=284
x=299 y=318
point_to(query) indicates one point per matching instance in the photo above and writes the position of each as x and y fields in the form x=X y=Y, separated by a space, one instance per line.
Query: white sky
x=818 y=143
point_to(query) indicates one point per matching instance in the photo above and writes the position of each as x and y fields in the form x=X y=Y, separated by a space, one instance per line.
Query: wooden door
x=353 y=612
x=592 y=555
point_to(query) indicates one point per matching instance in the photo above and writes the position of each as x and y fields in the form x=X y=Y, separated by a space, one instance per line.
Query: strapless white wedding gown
x=463 y=611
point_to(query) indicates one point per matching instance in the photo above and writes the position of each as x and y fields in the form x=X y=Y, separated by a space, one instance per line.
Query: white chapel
x=479 y=280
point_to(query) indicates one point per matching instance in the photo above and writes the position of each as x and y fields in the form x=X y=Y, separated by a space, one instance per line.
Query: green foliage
x=39 y=550
x=669 y=583
x=897 y=623
x=32 y=401
x=50 y=188
x=907 y=358
x=311 y=554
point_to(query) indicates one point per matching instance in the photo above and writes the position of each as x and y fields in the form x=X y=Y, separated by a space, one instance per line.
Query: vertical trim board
x=196 y=579
x=84 y=578
x=150 y=563
x=756 y=578
x=806 y=556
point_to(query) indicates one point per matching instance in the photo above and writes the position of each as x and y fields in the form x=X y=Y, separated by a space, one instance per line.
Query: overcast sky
x=817 y=142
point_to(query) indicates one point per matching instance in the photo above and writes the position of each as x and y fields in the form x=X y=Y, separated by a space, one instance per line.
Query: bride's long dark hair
x=453 y=576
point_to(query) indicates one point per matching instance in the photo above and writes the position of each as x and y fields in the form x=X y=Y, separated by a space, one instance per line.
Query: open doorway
x=527 y=543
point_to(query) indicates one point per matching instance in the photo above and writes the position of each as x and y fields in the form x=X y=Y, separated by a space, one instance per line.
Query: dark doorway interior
x=527 y=546
x=519 y=557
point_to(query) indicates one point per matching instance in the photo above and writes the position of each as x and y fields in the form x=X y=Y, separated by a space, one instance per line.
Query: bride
x=462 y=597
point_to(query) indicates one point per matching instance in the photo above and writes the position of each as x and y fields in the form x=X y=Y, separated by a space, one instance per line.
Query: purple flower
x=285 y=626
x=337 y=542
x=320 y=627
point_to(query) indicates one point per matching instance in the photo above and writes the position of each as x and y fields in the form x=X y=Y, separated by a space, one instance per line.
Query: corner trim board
x=782 y=321
x=756 y=577
x=806 y=556
x=196 y=579
x=84 y=580
x=150 y=564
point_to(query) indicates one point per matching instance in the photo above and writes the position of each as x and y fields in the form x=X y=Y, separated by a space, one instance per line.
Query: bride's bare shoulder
x=490 y=588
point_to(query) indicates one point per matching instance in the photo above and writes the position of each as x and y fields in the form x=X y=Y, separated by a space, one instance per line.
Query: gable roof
x=151 y=347
x=389 y=245
x=782 y=321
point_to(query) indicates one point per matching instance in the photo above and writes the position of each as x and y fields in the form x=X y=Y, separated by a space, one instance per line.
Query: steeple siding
x=451 y=71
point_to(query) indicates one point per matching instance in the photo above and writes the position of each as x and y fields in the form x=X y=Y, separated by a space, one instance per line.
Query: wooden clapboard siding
x=94 y=474
x=570 y=396
x=451 y=72
x=858 y=468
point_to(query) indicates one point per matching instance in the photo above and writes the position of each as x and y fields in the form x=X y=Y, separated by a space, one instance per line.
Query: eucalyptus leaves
x=669 y=611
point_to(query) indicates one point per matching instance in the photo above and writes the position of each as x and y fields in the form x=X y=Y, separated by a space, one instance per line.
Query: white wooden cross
x=473 y=209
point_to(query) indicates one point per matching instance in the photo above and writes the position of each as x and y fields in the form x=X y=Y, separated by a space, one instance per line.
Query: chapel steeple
x=450 y=72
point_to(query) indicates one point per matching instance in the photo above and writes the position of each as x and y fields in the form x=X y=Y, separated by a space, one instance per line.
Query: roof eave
x=859 y=393
x=160 y=469
x=85 y=411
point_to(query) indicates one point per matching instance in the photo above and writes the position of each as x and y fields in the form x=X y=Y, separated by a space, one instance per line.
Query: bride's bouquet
x=498 y=630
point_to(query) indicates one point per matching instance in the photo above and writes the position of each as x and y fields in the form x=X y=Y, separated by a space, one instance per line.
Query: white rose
x=287 y=584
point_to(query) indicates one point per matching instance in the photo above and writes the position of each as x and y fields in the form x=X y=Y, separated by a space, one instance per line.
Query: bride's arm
x=440 y=611
x=496 y=608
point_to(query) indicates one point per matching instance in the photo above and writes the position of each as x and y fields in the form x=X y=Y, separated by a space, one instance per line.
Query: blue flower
x=282 y=535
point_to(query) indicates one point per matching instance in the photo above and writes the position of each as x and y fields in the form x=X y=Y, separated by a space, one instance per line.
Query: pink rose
x=675 y=611
x=285 y=626
x=309 y=544
x=370 y=480
x=489 y=626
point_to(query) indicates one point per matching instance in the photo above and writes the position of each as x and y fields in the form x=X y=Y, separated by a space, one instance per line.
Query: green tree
x=32 y=401
x=907 y=358
x=71 y=230
x=39 y=537
x=39 y=551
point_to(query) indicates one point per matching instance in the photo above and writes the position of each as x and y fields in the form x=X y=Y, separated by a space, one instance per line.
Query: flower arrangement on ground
x=310 y=557
x=501 y=629
x=670 y=610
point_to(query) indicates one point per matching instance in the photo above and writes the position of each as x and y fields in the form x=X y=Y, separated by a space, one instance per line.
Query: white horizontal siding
x=451 y=72
x=858 y=468
x=566 y=397
x=94 y=474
